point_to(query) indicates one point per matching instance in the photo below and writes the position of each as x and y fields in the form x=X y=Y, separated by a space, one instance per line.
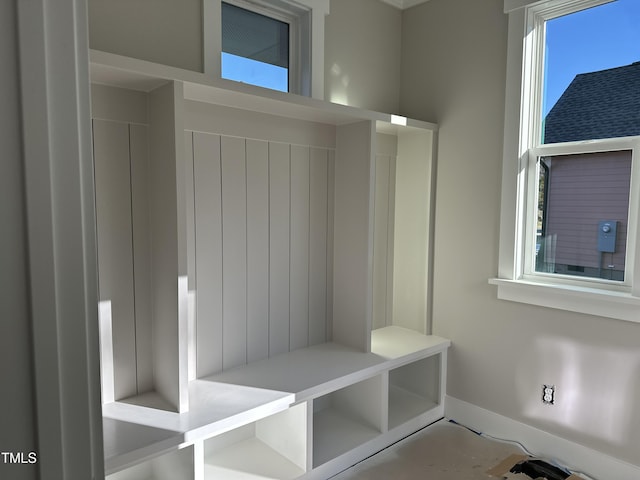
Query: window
x=277 y=44
x=256 y=47
x=571 y=160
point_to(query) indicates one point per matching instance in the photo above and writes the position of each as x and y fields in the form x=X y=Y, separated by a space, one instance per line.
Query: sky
x=599 y=38
x=250 y=71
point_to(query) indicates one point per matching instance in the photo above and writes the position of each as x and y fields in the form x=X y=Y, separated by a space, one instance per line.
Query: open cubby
x=346 y=419
x=414 y=389
x=141 y=274
x=174 y=465
x=274 y=447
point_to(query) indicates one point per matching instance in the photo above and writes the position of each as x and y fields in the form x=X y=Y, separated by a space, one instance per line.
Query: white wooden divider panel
x=292 y=445
x=279 y=237
x=318 y=259
x=299 y=255
x=191 y=254
x=115 y=252
x=208 y=237
x=234 y=252
x=257 y=250
x=169 y=341
x=353 y=235
x=141 y=259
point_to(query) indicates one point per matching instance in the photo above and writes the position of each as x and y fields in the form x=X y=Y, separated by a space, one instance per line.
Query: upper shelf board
x=134 y=74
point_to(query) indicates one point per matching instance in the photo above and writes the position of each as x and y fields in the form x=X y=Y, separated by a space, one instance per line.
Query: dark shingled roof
x=604 y=104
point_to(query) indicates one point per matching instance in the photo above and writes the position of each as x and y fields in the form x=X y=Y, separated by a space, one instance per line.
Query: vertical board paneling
x=318 y=188
x=331 y=160
x=141 y=257
x=115 y=252
x=411 y=231
x=257 y=250
x=390 y=238
x=279 y=208
x=262 y=233
x=299 y=257
x=234 y=252
x=380 y=243
x=208 y=239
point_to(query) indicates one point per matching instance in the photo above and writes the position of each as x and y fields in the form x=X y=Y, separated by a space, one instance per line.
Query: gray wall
x=454 y=61
x=17 y=422
x=362 y=54
x=362 y=43
x=161 y=31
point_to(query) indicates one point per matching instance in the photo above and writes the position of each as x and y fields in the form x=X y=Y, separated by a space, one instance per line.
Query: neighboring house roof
x=604 y=104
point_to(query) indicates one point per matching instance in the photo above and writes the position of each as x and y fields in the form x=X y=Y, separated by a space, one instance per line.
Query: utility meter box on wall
x=607 y=231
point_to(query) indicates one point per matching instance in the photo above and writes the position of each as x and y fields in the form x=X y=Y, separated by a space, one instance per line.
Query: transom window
x=256 y=48
x=277 y=44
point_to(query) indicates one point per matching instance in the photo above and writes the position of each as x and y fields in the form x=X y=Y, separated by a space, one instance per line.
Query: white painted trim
x=404 y=4
x=589 y=301
x=572 y=455
x=59 y=193
x=511 y=5
x=106 y=351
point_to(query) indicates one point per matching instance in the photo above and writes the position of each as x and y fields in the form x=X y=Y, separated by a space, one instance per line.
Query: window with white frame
x=258 y=46
x=571 y=169
x=277 y=44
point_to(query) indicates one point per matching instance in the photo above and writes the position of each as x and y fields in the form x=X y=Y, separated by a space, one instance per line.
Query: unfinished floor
x=442 y=451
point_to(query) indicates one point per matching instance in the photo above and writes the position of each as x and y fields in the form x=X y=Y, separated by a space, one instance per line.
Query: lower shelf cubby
x=347 y=418
x=175 y=465
x=414 y=389
x=274 y=447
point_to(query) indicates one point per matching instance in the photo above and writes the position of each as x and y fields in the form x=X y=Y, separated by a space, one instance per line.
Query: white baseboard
x=576 y=457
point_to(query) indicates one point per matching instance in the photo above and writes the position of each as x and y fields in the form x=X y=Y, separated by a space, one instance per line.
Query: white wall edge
x=572 y=455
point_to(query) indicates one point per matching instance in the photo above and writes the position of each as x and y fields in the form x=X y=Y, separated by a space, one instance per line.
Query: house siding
x=584 y=190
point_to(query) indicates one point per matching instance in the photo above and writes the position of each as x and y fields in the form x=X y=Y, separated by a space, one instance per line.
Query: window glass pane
x=257 y=73
x=583 y=205
x=592 y=74
x=261 y=41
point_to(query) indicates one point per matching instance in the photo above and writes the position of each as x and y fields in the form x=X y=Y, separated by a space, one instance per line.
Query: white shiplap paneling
x=279 y=236
x=234 y=252
x=299 y=253
x=208 y=223
x=257 y=250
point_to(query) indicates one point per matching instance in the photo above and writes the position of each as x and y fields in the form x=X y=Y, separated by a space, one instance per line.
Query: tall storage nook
x=264 y=276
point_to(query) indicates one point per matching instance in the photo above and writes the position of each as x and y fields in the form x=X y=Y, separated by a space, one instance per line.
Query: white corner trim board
x=570 y=454
x=404 y=4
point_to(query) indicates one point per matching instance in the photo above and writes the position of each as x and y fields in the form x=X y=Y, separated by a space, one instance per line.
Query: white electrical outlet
x=548 y=394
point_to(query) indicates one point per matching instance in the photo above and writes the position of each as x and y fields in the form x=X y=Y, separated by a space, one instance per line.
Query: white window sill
x=591 y=301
